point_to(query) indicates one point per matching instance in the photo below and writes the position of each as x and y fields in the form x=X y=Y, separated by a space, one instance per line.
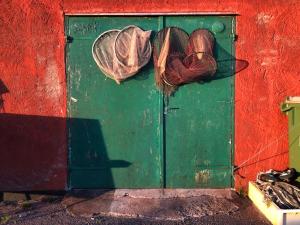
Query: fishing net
x=180 y=59
x=122 y=53
x=279 y=187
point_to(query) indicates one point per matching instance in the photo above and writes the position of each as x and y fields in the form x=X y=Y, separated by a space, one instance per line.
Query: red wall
x=32 y=69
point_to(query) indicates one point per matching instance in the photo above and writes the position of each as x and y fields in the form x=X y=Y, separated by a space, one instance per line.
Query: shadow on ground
x=45 y=212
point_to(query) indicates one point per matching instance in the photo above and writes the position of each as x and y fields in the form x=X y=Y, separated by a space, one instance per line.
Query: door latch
x=169 y=109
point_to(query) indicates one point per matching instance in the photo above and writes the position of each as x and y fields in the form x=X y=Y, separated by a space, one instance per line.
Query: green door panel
x=130 y=135
x=114 y=136
x=199 y=119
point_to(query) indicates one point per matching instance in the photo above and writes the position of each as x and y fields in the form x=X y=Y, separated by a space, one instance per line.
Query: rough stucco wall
x=269 y=39
x=32 y=68
x=32 y=126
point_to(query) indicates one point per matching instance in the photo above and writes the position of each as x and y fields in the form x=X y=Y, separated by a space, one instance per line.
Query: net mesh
x=180 y=58
x=122 y=53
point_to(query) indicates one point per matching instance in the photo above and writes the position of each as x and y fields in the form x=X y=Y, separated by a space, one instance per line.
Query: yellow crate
x=273 y=213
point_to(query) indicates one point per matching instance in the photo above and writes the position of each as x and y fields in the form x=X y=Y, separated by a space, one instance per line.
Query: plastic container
x=291 y=107
x=271 y=211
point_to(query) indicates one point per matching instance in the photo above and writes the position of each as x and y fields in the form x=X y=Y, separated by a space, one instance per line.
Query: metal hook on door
x=169 y=109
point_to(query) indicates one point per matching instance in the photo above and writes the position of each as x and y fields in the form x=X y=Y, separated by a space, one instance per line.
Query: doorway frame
x=161 y=99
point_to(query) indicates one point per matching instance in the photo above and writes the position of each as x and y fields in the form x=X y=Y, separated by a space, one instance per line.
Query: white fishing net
x=122 y=53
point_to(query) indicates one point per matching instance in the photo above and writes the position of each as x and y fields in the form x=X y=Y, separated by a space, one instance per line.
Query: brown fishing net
x=180 y=59
x=122 y=53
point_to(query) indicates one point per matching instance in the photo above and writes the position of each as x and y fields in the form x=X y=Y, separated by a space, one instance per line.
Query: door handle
x=169 y=109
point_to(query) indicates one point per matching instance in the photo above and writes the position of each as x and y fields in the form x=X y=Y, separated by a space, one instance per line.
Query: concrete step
x=167 y=204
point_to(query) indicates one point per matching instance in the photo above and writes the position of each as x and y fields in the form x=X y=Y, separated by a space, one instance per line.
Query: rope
x=263 y=149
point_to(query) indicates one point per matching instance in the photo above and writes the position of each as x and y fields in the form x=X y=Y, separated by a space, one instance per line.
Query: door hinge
x=68 y=39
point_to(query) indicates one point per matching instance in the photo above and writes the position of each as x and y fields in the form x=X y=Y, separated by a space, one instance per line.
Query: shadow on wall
x=227 y=64
x=33 y=152
x=3 y=90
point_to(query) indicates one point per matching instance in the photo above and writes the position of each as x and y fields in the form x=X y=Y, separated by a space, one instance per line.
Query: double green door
x=131 y=135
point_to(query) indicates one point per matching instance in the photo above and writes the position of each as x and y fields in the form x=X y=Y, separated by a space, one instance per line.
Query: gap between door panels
x=162 y=125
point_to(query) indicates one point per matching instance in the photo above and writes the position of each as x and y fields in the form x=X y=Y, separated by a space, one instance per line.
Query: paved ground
x=211 y=210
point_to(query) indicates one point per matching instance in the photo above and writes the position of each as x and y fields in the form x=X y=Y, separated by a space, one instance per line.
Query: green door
x=199 y=117
x=130 y=135
x=113 y=129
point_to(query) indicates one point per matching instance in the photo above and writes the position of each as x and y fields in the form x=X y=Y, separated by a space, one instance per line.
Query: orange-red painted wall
x=33 y=84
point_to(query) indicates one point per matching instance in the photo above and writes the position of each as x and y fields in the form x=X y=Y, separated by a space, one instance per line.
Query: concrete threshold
x=163 y=204
x=173 y=193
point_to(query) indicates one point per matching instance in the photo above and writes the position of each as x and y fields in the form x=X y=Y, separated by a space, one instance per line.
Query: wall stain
x=202 y=177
